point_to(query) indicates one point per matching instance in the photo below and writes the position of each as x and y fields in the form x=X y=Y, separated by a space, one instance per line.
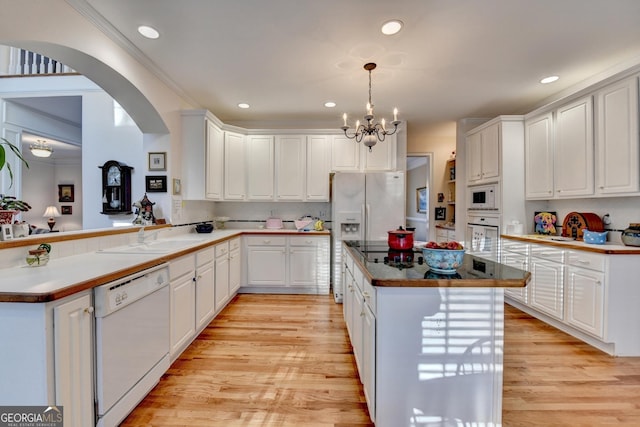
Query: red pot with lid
x=400 y=239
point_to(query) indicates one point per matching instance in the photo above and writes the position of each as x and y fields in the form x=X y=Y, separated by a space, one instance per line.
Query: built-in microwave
x=484 y=197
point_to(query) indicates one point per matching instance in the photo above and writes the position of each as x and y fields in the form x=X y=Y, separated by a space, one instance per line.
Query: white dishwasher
x=132 y=341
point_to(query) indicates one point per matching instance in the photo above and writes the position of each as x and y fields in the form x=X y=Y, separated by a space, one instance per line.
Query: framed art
x=65 y=193
x=421 y=199
x=66 y=210
x=156 y=184
x=158 y=161
x=441 y=214
x=177 y=187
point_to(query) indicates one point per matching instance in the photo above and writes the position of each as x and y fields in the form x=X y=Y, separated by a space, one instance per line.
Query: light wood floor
x=277 y=360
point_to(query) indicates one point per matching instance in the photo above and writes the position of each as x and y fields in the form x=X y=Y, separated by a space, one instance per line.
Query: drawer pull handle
x=583 y=262
x=366 y=294
x=266 y=242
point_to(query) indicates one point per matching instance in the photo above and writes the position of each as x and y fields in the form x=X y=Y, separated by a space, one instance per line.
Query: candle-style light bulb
x=395 y=114
x=383 y=125
x=344 y=117
x=369 y=109
x=357 y=125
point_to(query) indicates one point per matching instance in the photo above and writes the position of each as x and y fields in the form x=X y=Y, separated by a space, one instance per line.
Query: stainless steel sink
x=154 y=247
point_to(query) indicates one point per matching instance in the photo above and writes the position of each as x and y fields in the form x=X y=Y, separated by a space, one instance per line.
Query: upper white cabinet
x=574 y=149
x=483 y=148
x=214 y=172
x=290 y=167
x=617 y=153
x=318 y=167
x=349 y=155
x=539 y=157
x=259 y=167
x=234 y=166
x=588 y=147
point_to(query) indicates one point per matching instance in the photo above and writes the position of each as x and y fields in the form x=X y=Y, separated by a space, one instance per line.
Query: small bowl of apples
x=443 y=257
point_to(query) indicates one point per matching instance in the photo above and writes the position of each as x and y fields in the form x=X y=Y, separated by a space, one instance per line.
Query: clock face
x=113 y=176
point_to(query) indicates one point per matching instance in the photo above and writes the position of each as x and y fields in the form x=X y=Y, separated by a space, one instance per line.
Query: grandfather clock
x=116 y=188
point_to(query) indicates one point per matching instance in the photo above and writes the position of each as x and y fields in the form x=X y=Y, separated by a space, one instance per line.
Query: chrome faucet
x=142 y=238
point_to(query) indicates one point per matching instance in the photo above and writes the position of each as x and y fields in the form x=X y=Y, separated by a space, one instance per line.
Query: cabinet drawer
x=586 y=260
x=304 y=241
x=181 y=266
x=222 y=249
x=204 y=256
x=266 y=241
x=548 y=253
x=234 y=244
x=514 y=246
x=358 y=278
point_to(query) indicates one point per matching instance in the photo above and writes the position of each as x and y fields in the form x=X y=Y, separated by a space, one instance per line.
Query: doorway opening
x=418 y=177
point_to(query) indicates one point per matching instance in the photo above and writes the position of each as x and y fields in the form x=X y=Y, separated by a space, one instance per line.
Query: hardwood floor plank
x=285 y=360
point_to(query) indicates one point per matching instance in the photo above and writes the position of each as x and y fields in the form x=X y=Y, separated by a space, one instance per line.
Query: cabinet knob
x=88 y=310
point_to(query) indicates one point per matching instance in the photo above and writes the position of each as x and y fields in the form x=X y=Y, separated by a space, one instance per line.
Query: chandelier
x=370 y=133
x=40 y=148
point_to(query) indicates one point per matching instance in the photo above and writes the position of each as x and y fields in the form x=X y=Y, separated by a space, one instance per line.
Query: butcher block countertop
x=68 y=275
x=567 y=243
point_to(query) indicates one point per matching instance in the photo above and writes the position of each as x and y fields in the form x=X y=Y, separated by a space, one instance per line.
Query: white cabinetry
x=539 y=158
x=287 y=264
x=234 y=166
x=235 y=266
x=291 y=153
x=617 y=138
x=573 y=171
x=214 y=167
x=318 y=167
x=204 y=284
x=546 y=291
x=349 y=155
x=222 y=275
x=445 y=235
x=73 y=360
x=483 y=148
x=586 y=291
x=516 y=254
x=182 y=303
x=259 y=167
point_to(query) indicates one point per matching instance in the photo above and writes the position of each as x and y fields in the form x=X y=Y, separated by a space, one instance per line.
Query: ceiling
x=453 y=59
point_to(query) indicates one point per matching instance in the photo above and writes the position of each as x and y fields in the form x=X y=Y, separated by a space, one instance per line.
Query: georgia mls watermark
x=31 y=416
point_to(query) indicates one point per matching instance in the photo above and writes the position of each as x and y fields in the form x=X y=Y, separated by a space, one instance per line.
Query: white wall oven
x=483 y=235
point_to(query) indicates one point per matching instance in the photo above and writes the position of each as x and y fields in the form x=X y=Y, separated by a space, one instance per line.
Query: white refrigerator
x=364 y=206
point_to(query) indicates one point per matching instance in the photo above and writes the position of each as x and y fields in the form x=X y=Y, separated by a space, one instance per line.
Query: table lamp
x=51 y=212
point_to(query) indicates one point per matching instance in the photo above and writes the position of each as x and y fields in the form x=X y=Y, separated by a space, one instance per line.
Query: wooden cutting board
x=574 y=222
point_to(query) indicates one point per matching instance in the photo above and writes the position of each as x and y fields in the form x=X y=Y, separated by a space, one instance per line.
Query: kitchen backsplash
x=622 y=211
x=254 y=214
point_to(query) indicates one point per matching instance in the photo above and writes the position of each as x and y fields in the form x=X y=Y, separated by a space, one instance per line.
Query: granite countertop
x=475 y=271
x=65 y=276
x=609 y=248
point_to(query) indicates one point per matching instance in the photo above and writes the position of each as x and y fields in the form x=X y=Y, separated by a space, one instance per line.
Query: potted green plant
x=3 y=157
x=9 y=206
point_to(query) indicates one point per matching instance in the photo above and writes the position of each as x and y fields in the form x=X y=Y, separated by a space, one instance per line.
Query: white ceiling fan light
x=148 y=32
x=330 y=104
x=392 y=27
x=243 y=105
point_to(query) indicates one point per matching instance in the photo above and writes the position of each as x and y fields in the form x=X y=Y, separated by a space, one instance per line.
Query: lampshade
x=51 y=212
x=40 y=148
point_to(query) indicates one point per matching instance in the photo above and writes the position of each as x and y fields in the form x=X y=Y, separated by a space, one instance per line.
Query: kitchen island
x=428 y=346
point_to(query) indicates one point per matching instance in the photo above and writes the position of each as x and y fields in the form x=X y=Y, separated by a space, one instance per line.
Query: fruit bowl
x=442 y=260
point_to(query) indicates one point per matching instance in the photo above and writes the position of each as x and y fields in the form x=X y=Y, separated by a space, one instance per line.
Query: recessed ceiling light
x=243 y=105
x=549 y=79
x=329 y=104
x=148 y=32
x=391 y=27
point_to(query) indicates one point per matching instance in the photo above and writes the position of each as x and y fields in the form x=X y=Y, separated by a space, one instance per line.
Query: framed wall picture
x=421 y=199
x=441 y=214
x=65 y=193
x=155 y=184
x=66 y=210
x=177 y=187
x=158 y=161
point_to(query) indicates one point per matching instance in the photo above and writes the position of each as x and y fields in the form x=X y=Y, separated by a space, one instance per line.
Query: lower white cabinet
x=445 y=235
x=235 y=266
x=47 y=356
x=182 y=303
x=222 y=275
x=287 y=264
x=205 y=291
x=73 y=323
x=592 y=296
